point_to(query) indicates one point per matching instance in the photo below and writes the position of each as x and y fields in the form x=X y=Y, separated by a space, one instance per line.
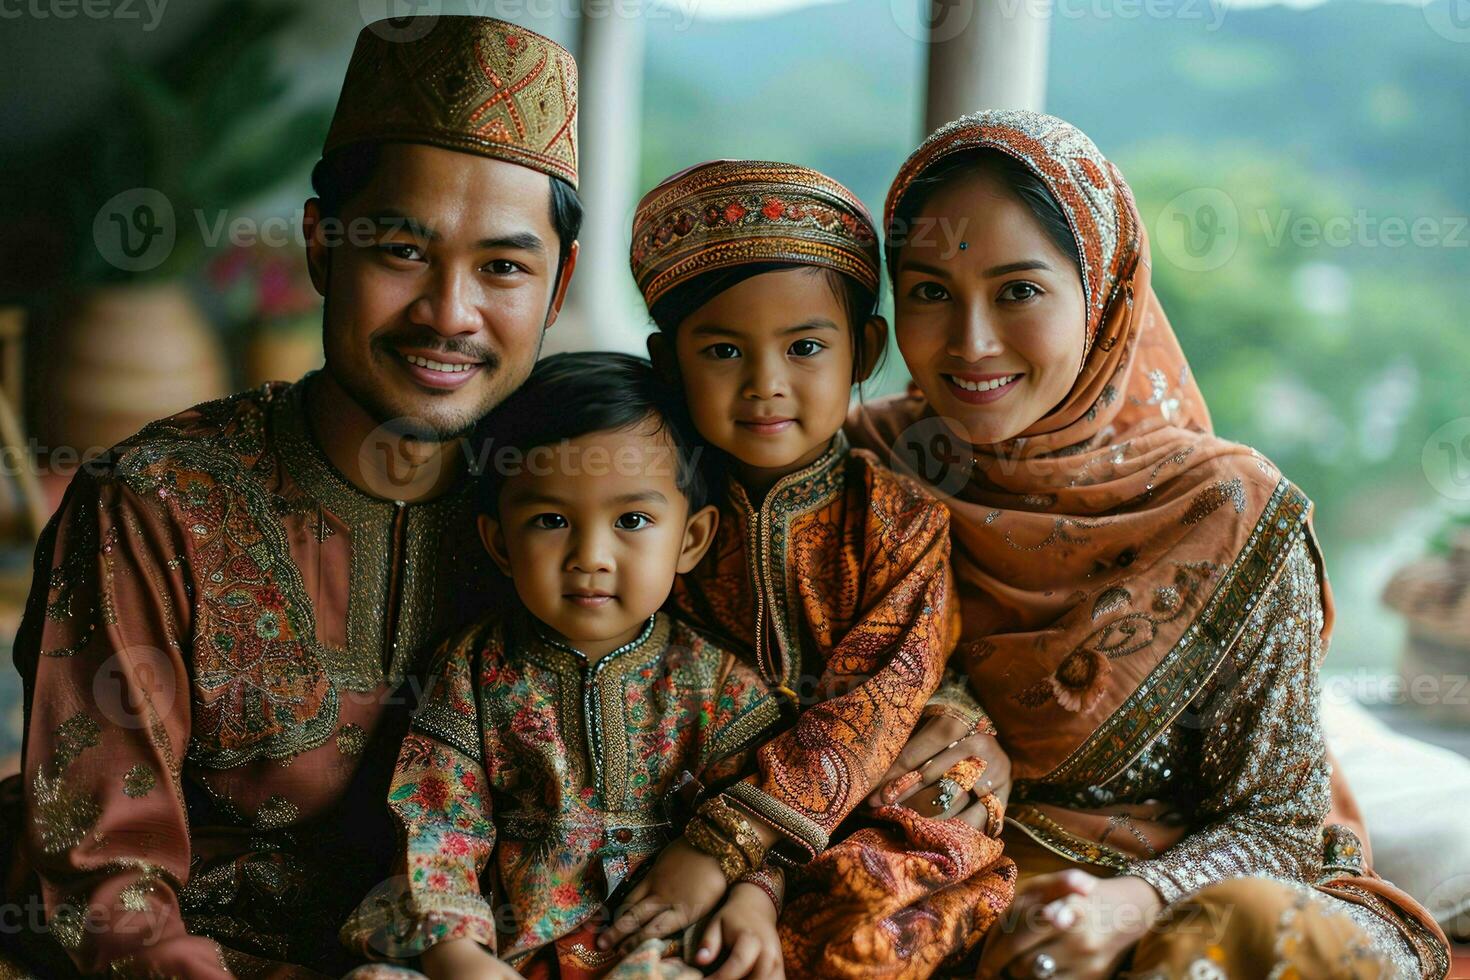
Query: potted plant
x=267 y=291
x=1433 y=596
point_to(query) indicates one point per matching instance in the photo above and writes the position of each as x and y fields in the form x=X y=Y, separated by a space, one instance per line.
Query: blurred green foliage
x=211 y=126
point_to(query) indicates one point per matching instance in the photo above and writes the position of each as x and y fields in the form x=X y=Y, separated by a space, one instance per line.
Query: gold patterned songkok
x=726 y=213
x=473 y=84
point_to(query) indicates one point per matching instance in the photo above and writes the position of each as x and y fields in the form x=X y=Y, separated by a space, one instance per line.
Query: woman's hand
x=1078 y=925
x=745 y=926
x=930 y=751
x=464 y=958
x=684 y=884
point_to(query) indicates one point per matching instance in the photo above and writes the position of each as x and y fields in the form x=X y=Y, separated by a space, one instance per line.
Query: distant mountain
x=1364 y=92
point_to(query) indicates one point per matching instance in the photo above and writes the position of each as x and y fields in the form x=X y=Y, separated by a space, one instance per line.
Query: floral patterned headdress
x=726 y=213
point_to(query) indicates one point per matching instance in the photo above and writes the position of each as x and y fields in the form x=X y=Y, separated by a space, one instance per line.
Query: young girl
x=829 y=570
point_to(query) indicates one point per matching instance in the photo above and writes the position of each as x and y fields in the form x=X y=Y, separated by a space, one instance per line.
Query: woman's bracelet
x=703 y=835
x=735 y=827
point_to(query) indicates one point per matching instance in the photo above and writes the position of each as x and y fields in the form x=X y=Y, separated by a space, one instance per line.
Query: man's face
x=439 y=286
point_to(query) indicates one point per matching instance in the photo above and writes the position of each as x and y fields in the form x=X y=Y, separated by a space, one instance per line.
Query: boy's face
x=767 y=366
x=592 y=531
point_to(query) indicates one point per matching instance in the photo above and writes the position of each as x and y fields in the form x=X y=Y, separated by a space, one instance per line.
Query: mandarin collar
x=818 y=474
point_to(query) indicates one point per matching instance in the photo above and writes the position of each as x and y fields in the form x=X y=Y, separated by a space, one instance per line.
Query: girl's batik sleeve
x=882 y=671
x=440 y=796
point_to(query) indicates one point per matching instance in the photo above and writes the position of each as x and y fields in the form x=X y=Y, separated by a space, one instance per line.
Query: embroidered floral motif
x=351 y=739
x=134 y=898
x=276 y=812
x=73 y=736
x=1079 y=680
x=63 y=815
x=1110 y=601
x=138 y=781
x=1215 y=496
x=68 y=925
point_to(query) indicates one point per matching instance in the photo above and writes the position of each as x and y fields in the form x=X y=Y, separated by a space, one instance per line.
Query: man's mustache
x=427 y=340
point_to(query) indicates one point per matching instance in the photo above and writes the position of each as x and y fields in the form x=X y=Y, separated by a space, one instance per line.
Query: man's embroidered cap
x=474 y=84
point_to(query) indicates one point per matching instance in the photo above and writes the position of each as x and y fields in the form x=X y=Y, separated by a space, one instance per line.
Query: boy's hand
x=745 y=926
x=684 y=884
x=464 y=958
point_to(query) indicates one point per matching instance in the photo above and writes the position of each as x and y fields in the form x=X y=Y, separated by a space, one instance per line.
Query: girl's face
x=992 y=332
x=767 y=366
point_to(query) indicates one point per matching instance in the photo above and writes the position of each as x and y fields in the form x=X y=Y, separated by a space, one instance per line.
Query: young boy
x=536 y=774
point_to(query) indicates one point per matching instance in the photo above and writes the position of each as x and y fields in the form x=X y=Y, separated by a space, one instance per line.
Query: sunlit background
x=1302 y=169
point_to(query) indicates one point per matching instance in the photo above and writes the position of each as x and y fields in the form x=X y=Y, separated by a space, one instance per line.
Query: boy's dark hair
x=860 y=302
x=572 y=395
x=340 y=175
x=1019 y=179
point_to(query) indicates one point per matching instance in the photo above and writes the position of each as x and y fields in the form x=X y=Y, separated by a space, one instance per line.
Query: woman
x=1144 y=604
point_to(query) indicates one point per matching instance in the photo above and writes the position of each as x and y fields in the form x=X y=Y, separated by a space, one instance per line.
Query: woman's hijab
x=1109 y=554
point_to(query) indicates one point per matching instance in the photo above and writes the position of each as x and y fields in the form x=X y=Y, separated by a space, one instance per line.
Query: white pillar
x=603 y=308
x=985 y=54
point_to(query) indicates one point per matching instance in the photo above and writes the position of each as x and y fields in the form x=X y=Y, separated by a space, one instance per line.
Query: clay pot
x=283 y=350
x=124 y=356
x=1433 y=595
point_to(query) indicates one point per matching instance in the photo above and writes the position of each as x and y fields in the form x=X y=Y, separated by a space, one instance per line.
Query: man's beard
x=410 y=426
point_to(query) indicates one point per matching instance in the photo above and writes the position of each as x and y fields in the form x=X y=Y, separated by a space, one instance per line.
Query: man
x=231 y=610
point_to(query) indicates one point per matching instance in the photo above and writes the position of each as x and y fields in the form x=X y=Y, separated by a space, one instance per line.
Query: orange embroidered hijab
x=1105 y=556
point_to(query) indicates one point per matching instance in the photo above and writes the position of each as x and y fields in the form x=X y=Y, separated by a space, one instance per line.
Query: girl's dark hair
x=858 y=301
x=1018 y=178
x=341 y=175
x=572 y=395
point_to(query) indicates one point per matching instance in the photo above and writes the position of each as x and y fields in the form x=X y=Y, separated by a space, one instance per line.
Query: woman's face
x=988 y=313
